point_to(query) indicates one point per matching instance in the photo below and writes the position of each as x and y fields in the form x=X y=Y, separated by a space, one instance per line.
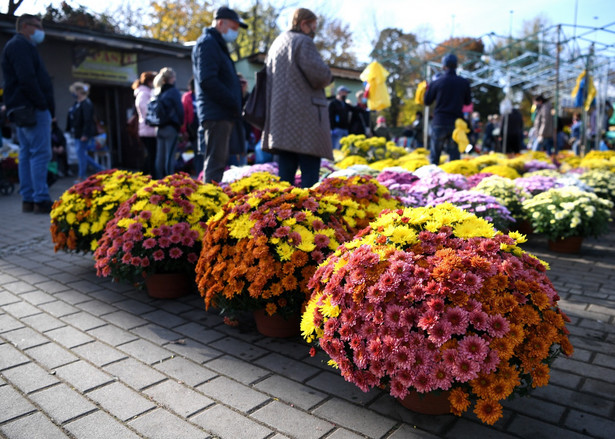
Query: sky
x=433 y=20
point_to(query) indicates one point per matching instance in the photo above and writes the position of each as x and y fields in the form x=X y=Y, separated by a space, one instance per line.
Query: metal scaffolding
x=546 y=62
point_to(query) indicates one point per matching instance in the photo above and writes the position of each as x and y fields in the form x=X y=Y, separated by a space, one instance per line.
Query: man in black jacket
x=217 y=90
x=339 y=116
x=451 y=93
x=28 y=96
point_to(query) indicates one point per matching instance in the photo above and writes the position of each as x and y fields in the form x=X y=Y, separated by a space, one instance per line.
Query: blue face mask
x=364 y=100
x=38 y=36
x=230 y=35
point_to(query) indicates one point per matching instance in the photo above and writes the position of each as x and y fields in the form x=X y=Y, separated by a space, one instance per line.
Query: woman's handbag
x=22 y=116
x=255 y=110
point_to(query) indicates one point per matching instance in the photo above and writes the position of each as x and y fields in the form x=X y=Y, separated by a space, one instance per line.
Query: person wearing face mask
x=28 y=96
x=297 y=126
x=360 y=119
x=217 y=91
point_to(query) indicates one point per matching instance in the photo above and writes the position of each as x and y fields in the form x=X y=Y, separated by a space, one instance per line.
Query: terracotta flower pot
x=525 y=227
x=427 y=403
x=168 y=285
x=276 y=325
x=572 y=244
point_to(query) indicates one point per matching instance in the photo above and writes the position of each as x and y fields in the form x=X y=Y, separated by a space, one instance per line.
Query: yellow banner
x=106 y=65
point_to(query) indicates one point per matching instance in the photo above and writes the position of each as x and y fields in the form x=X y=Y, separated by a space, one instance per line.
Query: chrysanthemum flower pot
x=571 y=244
x=276 y=325
x=168 y=285
x=434 y=403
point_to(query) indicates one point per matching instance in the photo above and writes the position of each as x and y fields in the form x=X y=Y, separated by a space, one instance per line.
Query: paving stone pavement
x=83 y=357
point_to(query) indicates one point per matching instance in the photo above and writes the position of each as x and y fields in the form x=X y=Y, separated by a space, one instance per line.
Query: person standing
x=360 y=119
x=381 y=129
x=339 y=116
x=514 y=131
x=450 y=93
x=28 y=96
x=147 y=134
x=297 y=126
x=166 y=133
x=217 y=89
x=83 y=128
x=543 y=124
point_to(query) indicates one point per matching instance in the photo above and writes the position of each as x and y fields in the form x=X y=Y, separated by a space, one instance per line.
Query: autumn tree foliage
x=178 y=20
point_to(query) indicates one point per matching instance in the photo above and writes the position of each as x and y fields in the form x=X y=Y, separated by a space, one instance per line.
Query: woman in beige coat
x=297 y=127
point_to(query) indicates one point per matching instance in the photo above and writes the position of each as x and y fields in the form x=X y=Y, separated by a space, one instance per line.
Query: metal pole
x=426 y=116
x=584 y=112
x=556 y=102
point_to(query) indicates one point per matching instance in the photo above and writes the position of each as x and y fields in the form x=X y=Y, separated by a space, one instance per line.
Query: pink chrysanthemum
x=474 y=347
x=158 y=255
x=175 y=253
x=149 y=243
x=498 y=326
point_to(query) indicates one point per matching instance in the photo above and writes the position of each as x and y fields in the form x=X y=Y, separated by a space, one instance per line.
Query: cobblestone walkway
x=82 y=357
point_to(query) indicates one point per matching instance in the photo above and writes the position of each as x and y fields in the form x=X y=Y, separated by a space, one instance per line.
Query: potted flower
x=567 y=215
x=507 y=193
x=255 y=181
x=372 y=149
x=260 y=251
x=463 y=167
x=433 y=185
x=535 y=184
x=79 y=216
x=157 y=233
x=480 y=204
x=372 y=197
x=433 y=301
x=601 y=181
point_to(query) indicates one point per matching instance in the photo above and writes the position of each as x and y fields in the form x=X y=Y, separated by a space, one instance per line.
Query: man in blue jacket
x=28 y=96
x=217 y=90
x=451 y=93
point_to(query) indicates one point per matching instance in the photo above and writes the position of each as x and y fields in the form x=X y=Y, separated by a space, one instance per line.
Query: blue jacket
x=451 y=93
x=171 y=99
x=26 y=81
x=216 y=85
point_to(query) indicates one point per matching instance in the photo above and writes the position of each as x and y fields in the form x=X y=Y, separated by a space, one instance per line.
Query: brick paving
x=83 y=357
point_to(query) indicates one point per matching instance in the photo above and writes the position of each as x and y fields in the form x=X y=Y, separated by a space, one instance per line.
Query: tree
x=128 y=19
x=468 y=51
x=13 y=5
x=397 y=52
x=79 y=16
x=334 y=42
x=261 y=19
x=178 y=20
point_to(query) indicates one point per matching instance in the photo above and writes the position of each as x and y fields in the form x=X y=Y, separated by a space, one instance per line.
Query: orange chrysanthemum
x=488 y=411
x=540 y=375
x=459 y=400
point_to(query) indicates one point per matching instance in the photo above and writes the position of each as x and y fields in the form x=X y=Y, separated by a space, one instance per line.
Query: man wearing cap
x=339 y=116
x=217 y=90
x=28 y=95
x=451 y=93
x=340 y=113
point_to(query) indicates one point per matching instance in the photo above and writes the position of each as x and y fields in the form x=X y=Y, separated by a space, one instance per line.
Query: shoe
x=27 y=206
x=43 y=207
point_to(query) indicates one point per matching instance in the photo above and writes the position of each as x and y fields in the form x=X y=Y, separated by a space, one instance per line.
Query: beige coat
x=297 y=109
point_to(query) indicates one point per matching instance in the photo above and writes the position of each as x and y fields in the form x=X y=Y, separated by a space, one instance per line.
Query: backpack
x=157 y=115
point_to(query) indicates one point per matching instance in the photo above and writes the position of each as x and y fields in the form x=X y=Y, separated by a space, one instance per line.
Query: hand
x=84 y=138
x=540 y=139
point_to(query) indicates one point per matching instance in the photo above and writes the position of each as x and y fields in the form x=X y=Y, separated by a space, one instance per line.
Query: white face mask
x=230 y=35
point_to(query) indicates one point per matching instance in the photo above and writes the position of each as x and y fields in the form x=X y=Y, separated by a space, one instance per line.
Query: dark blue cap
x=450 y=61
x=228 y=13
